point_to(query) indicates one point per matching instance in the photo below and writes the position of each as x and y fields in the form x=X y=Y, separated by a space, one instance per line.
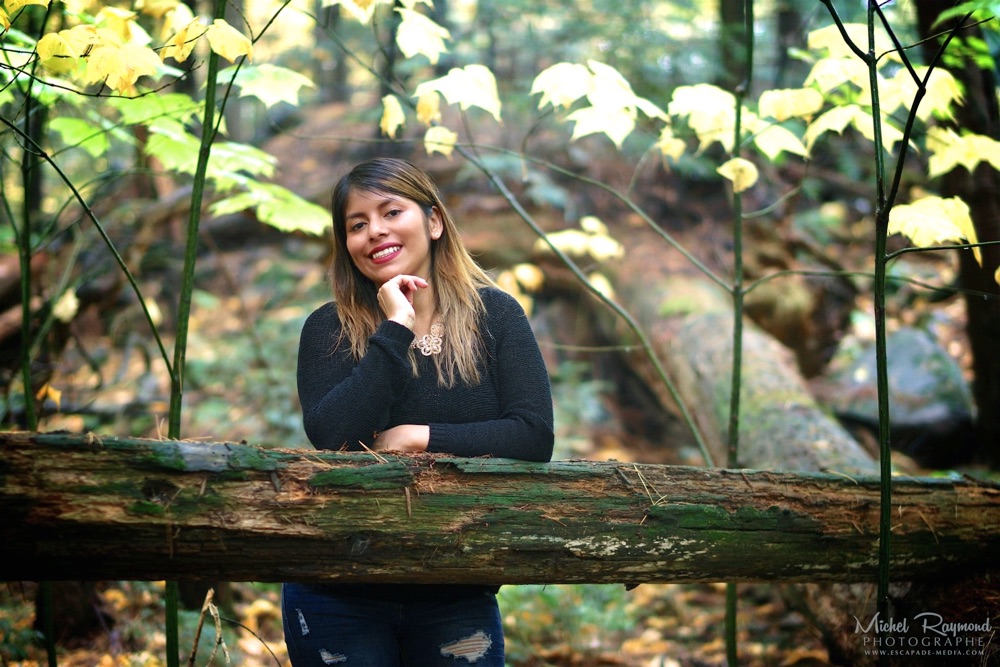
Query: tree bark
x=980 y=189
x=81 y=507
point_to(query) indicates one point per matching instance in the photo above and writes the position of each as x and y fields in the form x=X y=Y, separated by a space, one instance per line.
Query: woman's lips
x=385 y=253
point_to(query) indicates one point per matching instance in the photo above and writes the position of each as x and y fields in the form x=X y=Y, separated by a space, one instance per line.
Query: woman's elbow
x=542 y=451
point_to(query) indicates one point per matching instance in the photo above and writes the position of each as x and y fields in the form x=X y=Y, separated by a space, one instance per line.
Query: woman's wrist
x=405 y=320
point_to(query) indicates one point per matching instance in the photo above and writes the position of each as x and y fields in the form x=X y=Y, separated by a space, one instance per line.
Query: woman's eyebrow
x=378 y=204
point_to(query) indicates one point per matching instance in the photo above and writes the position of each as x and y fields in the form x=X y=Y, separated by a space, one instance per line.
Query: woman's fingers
x=396 y=297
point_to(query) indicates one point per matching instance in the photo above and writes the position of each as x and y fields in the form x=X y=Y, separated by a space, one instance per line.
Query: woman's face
x=389 y=235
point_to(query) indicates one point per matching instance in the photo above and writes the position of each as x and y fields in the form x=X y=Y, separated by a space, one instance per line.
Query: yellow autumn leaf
x=271 y=84
x=529 y=276
x=774 y=140
x=429 y=109
x=669 y=145
x=932 y=221
x=157 y=8
x=470 y=86
x=393 y=116
x=4 y=19
x=119 y=21
x=742 y=173
x=439 y=139
x=418 y=34
x=602 y=285
x=949 y=150
x=831 y=39
x=176 y=20
x=891 y=135
x=183 y=42
x=120 y=66
x=613 y=105
x=228 y=42
x=562 y=84
x=831 y=73
x=14 y=6
x=840 y=118
x=593 y=225
x=508 y=282
x=591 y=240
x=688 y=100
x=66 y=307
x=49 y=392
x=709 y=112
x=615 y=121
x=944 y=93
x=790 y=103
x=573 y=242
x=609 y=87
x=71 y=43
x=361 y=10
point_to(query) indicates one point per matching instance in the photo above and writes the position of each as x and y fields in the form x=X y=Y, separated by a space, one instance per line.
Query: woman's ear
x=435 y=224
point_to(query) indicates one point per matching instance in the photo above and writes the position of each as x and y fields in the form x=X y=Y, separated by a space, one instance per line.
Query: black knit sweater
x=508 y=414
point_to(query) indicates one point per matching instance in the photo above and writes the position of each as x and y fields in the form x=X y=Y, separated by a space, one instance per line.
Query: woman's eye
x=357 y=226
x=392 y=213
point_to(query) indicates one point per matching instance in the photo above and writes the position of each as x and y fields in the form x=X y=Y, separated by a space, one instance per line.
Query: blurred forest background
x=100 y=174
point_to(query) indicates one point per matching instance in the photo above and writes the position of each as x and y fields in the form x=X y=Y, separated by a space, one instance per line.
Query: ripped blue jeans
x=323 y=629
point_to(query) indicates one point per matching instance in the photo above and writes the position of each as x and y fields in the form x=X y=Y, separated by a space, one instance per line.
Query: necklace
x=430 y=343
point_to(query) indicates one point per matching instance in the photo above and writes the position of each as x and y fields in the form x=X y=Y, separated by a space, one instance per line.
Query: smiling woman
x=419 y=351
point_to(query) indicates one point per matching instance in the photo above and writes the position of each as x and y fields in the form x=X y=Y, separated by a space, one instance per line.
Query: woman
x=420 y=352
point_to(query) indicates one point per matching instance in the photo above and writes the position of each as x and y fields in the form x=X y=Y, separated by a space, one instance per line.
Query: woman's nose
x=376 y=228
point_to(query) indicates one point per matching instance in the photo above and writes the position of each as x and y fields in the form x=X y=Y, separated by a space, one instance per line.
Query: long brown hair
x=454 y=281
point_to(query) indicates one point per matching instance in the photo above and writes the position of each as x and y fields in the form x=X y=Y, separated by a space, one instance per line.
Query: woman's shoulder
x=325 y=316
x=495 y=298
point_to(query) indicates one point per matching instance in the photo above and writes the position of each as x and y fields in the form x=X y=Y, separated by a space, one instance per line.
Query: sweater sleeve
x=523 y=428
x=345 y=403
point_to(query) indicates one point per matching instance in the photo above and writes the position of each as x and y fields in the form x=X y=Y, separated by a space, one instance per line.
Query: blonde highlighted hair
x=455 y=276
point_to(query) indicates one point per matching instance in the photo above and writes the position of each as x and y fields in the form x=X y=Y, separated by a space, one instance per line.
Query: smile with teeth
x=385 y=252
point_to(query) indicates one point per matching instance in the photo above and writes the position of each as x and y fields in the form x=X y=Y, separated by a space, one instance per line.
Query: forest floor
x=663 y=625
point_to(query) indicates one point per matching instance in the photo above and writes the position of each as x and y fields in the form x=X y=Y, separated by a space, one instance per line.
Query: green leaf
x=81 y=134
x=276 y=206
x=230 y=164
x=235 y=158
x=175 y=147
x=291 y=213
x=148 y=108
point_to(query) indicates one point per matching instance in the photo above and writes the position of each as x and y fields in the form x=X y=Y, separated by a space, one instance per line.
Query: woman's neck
x=424 y=309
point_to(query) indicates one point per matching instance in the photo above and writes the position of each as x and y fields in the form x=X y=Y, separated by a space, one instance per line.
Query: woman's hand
x=404 y=438
x=395 y=297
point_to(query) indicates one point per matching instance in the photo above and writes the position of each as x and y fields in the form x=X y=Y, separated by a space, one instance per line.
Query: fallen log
x=84 y=507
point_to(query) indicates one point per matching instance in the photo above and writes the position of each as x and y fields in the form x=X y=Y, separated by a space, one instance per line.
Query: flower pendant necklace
x=430 y=343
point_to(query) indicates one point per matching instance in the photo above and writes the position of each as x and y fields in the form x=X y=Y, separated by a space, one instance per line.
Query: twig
x=201 y=623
